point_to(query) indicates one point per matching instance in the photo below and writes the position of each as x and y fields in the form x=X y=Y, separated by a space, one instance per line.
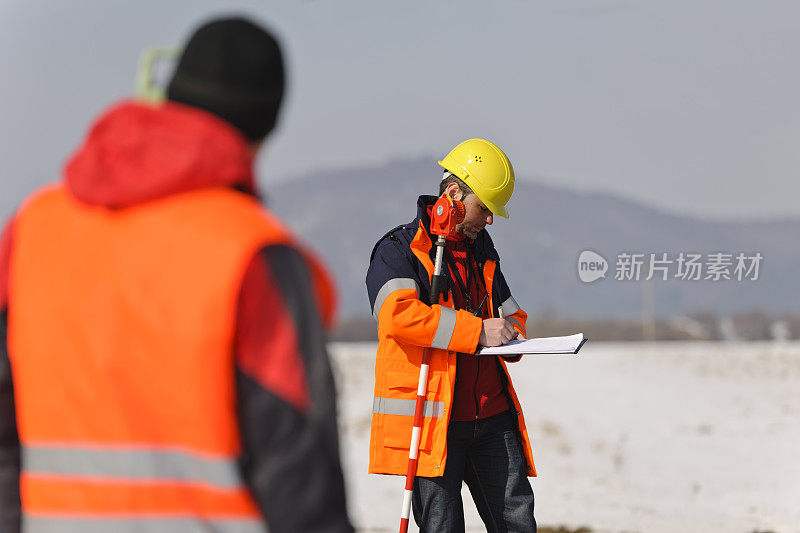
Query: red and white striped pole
x=447 y=213
x=413 y=451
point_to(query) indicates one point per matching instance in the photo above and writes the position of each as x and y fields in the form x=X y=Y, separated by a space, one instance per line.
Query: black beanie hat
x=234 y=69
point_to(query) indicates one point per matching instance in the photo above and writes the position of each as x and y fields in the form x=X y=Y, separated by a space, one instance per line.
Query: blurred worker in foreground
x=473 y=429
x=162 y=350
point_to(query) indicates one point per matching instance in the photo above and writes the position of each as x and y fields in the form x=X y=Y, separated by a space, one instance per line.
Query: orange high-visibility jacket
x=120 y=335
x=398 y=284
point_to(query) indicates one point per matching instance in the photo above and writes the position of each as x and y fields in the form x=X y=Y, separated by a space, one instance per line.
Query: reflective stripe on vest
x=131 y=464
x=388 y=288
x=188 y=524
x=398 y=406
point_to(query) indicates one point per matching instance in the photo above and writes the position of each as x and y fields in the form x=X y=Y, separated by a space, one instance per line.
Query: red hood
x=136 y=152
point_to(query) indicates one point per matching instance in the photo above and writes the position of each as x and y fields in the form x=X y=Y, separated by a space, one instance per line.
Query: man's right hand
x=496 y=332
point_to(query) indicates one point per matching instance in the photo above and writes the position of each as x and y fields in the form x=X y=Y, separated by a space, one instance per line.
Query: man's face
x=477 y=214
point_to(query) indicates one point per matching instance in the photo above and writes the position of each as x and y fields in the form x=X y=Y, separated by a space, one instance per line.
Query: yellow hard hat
x=486 y=170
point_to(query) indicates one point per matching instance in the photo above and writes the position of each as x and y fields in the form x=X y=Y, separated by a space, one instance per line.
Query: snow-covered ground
x=663 y=437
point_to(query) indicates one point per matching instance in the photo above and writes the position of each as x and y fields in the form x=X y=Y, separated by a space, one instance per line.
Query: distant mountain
x=343 y=212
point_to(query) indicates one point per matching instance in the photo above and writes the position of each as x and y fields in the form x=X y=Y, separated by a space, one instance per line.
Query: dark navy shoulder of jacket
x=404 y=233
x=398 y=234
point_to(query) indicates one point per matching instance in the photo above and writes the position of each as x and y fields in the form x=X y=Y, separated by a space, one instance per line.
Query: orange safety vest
x=120 y=332
x=398 y=363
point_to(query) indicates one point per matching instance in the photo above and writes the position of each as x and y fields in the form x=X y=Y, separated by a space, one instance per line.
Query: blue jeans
x=487 y=456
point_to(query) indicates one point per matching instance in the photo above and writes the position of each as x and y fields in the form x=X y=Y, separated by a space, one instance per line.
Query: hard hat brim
x=450 y=166
x=496 y=209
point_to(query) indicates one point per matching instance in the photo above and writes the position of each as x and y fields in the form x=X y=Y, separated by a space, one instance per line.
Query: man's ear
x=454 y=191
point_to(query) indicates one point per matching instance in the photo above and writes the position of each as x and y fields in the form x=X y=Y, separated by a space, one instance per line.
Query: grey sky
x=686 y=105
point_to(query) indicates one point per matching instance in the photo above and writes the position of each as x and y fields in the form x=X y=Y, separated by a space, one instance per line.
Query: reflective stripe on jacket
x=120 y=335
x=398 y=285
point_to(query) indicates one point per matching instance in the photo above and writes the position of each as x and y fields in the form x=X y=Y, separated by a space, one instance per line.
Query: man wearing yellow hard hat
x=472 y=428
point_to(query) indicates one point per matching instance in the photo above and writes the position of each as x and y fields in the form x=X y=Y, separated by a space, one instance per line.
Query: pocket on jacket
x=398 y=417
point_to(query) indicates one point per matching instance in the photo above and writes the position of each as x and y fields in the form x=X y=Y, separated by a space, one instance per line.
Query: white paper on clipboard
x=569 y=344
